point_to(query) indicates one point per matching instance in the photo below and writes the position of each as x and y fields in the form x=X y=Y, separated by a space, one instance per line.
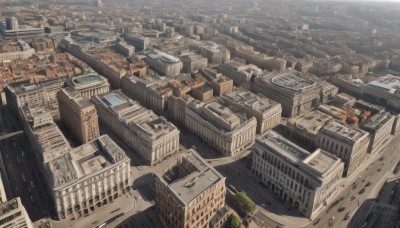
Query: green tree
x=244 y=202
x=233 y=222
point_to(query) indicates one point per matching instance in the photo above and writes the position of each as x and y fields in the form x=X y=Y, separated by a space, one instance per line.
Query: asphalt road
x=352 y=197
x=25 y=180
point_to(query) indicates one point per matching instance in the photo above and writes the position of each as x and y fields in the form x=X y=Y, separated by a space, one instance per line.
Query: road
x=376 y=172
x=25 y=179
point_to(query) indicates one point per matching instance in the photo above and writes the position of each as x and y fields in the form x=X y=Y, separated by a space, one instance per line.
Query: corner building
x=191 y=196
x=306 y=180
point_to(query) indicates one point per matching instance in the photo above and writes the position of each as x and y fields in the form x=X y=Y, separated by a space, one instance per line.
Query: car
x=316 y=221
x=368 y=184
x=381 y=158
x=263 y=205
x=32 y=184
x=341 y=198
x=379 y=169
x=361 y=191
x=341 y=209
x=352 y=198
x=268 y=202
x=347 y=216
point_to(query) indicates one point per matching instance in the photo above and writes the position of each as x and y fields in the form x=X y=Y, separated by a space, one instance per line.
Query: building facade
x=164 y=64
x=305 y=180
x=79 y=115
x=13 y=214
x=193 y=63
x=88 y=177
x=380 y=127
x=152 y=137
x=348 y=143
x=193 y=195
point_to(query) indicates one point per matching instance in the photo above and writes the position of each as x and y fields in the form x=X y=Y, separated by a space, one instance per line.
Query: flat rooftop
x=85 y=161
x=86 y=80
x=376 y=121
x=320 y=162
x=388 y=83
x=283 y=147
x=77 y=98
x=312 y=121
x=344 y=133
x=190 y=186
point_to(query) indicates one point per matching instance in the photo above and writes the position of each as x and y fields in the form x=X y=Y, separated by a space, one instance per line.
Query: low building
x=385 y=91
x=305 y=127
x=380 y=127
x=89 y=85
x=193 y=192
x=307 y=181
x=88 y=177
x=348 y=143
x=203 y=93
x=13 y=214
x=78 y=115
x=140 y=42
x=164 y=64
x=267 y=112
x=152 y=137
x=15 y=50
x=239 y=73
x=220 y=127
x=297 y=94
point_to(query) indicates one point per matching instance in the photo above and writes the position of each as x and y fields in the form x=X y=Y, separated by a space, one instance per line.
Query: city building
x=185 y=84
x=46 y=139
x=150 y=93
x=267 y=112
x=203 y=93
x=220 y=127
x=78 y=115
x=89 y=85
x=240 y=73
x=13 y=214
x=220 y=83
x=380 y=128
x=348 y=143
x=192 y=191
x=216 y=54
x=11 y=30
x=260 y=59
x=125 y=49
x=88 y=177
x=307 y=181
x=193 y=63
x=384 y=90
x=296 y=93
x=15 y=50
x=141 y=43
x=305 y=127
x=12 y=23
x=152 y=137
x=164 y=64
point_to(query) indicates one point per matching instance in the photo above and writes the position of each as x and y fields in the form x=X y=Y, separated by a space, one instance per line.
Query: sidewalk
x=124 y=204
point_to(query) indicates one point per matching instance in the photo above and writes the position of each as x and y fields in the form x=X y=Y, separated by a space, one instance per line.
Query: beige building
x=260 y=59
x=152 y=137
x=150 y=93
x=267 y=112
x=348 y=143
x=164 y=64
x=296 y=93
x=305 y=127
x=191 y=194
x=89 y=85
x=241 y=74
x=380 y=127
x=220 y=83
x=13 y=214
x=220 y=127
x=307 y=181
x=193 y=63
x=88 y=177
x=79 y=115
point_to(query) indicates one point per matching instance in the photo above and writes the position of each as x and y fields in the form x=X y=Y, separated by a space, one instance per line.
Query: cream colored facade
x=308 y=181
x=88 y=177
x=89 y=85
x=152 y=137
x=380 y=128
x=13 y=214
x=220 y=127
x=193 y=197
x=79 y=115
x=348 y=143
x=267 y=112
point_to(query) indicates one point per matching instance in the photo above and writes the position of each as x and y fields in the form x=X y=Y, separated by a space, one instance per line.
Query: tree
x=233 y=222
x=244 y=203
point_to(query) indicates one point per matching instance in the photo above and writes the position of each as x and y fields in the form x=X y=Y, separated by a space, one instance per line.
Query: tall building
x=152 y=137
x=13 y=214
x=12 y=23
x=88 y=177
x=164 y=64
x=380 y=127
x=191 y=195
x=193 y=63
x=267 y=112
x=348 y=143
x=141 y=43
x=296 y=93
x=79 y=115
x=220 y=83
x=89 y=85
x=307 y=181
x=240 y=73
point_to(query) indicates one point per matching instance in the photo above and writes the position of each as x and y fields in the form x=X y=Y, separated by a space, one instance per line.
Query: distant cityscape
x=212 y=114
